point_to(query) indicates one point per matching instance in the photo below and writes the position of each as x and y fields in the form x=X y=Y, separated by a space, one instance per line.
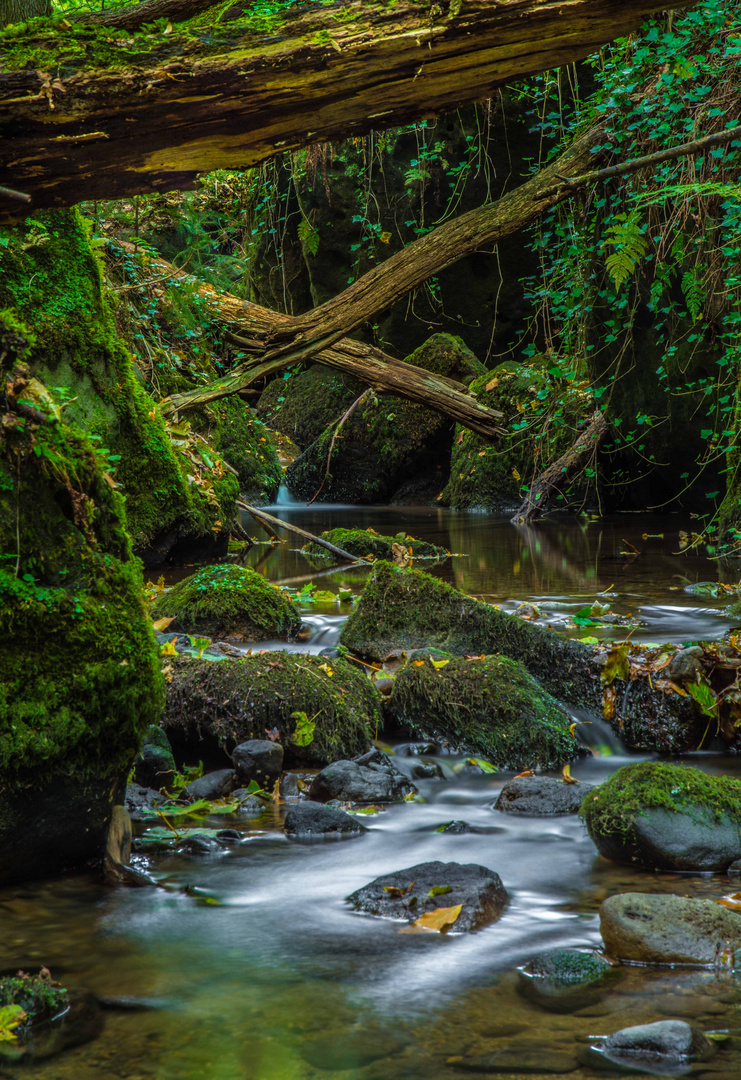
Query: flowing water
x=282 y=980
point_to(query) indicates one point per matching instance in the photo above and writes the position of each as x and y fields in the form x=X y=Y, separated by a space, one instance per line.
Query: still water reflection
x=282 y=980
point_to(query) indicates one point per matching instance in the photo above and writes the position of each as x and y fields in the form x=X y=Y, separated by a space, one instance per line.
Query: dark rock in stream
x=666 y=817
x=82 y=1021
x=405 y=894
x=139 y=799
x=541 y=795
x=311 y=820
x=564 y=980
x=214 y=785
x=662 y=1048
x=648 y=929
x=354 y=781
x=456 y=827
x=290 y=790
x=260 y=760
x=155 y=765
x=249 y=805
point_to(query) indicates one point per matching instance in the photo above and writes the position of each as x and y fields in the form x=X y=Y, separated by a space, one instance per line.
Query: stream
x=280 y=980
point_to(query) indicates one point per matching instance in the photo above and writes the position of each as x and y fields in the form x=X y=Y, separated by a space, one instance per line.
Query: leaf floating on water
x=483 y=764
x=441 y=918
x=440 y=890
x=162 y=624
x=732 y=902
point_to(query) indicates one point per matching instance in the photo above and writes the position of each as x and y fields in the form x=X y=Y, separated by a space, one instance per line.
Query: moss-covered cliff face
x=80 y=678
x=388 y=443
x=541 y=417
x=50 y=279
x=303 y=405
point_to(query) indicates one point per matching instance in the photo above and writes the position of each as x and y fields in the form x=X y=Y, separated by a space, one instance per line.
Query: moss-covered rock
x=77 y=350
x=408 y=609
x=365 y=542
x=229 y=601
x=667 y=817
x=328 y=702
x=541 y=419
x=303 y=405
x=490 y=707
x=247 y=446
x=387 y=441
x=80 y=678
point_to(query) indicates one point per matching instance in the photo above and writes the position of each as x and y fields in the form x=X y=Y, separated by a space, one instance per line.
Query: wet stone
x=249 y=805
x=311 y=820
x=355 y=781
x=214 y=785
x=664 y=1048
x=258 y=759
x=650 y=929
x=538 y=795
x=455 y=827
x=405 y=894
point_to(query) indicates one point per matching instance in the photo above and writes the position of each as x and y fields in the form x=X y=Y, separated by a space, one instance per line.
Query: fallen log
x=370 y=365
x=95 y=112
x=562 y=470
x=408 y=609
x=264 y=519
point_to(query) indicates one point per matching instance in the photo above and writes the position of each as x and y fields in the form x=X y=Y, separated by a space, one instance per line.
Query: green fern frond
x=694 y=293
x=626 y=237
x=308 y=235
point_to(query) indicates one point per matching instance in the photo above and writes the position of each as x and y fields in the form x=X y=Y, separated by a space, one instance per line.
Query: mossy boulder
x=409 y=609
x=490 y=707
x=229 y=601
x=666 y=817
x=303 y=405
x=324 y=710
x=542 y=414
x=77 y=351
x=367 y=542
x=80 y=679
x=387 y=441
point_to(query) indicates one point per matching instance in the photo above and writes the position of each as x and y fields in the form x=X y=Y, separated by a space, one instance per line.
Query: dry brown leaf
x=162 y=624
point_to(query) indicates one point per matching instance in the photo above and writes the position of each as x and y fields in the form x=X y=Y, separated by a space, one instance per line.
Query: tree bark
x=561 y=471
x=370 y=365
x=16 y=11
x=149 y=11
x=230 y=94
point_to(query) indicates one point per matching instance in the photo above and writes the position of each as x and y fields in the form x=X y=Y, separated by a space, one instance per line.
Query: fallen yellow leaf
x=567 y=777
x=441 y=918
x=162 y=624
x=439 y=663
x=516 y=474
x=492 y=384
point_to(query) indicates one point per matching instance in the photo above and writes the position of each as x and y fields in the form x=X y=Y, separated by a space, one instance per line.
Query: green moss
x=247 y=446
x=569 y=967
x=80 y=676
x=387 y=441
x=50 y=278
x=229 y=600
x=540 y=416
x=365 y=542
x=302 y=405
x=613 y=806
x=490 y=707
x=236 y=700
x=40 y=998
x=408 y=609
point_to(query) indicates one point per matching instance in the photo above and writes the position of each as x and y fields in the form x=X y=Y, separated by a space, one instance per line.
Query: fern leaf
x=626 y=237
x=308 y=235
x=694 y=293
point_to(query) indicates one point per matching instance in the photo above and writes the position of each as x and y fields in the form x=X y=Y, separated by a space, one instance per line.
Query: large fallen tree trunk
x=410 y=610
x=92 y=112
x=370 y=365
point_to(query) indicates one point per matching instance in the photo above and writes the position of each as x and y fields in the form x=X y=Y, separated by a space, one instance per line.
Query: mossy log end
x=89 y=112
x=409 y=609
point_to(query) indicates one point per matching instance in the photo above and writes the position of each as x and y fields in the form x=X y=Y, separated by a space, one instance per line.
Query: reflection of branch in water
x=322 y=573
x=542 y=551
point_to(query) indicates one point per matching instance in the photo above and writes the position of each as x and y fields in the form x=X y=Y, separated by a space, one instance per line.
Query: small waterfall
x=284 y=498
